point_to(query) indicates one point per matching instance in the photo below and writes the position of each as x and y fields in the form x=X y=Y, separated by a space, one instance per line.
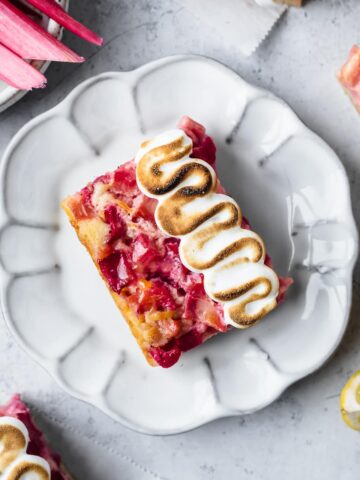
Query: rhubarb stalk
x=57 y=13
x=28 y=39
x=17 y=73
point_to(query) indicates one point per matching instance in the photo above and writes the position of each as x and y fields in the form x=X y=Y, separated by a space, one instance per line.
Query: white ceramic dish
x=291 y=186
x=10 y=95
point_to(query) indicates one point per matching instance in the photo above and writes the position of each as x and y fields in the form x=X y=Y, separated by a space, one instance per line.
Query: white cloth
x=241 y=23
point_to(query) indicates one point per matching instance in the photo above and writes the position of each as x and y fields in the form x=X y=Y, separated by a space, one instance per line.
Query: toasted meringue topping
x=209 y=227
x=28 y=467
x=13 y=440
x=15 y=464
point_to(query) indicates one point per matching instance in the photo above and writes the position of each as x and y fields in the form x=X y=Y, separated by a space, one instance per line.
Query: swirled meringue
x=15 y=463
x=208 y=225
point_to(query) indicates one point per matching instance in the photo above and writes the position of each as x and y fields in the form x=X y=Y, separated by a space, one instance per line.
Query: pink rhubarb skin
x=16 y=408
x=57 y=13
x=29 y=40
x=17 y=73
x=349 y=76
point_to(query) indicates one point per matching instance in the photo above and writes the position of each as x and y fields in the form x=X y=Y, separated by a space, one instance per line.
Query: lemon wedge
x=350 y=401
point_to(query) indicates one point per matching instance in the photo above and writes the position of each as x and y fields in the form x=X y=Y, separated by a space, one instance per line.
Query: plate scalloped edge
x=215 y=408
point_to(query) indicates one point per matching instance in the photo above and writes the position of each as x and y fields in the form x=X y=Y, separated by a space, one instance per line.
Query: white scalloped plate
x=10 y=95
x=291 y=186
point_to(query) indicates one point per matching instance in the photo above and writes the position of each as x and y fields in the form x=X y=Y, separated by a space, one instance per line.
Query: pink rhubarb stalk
x=57 y=13
x=17 y=73
x=27 y=39
x=30 y=12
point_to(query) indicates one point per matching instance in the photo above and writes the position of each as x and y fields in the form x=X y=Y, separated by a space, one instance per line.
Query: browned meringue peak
x=13 y=442
x=25 y=468
x=149 y=172
x=175 y=221
x=198 y=241
x=238 y=312
x=15 y=463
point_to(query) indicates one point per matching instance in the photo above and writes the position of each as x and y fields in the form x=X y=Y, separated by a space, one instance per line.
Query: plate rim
x=219 y=411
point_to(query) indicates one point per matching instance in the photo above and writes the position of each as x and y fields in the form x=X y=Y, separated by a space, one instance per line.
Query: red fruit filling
x=144 y=250
x=166 y=356
x=144 y=264
x=115 y=221
x=37 y=444
x=117 y=270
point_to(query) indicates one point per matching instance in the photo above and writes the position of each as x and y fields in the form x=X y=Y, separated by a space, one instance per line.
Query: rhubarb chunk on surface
x=349 y=76
x=18 y=73
x=29 y=40
x=57 y=13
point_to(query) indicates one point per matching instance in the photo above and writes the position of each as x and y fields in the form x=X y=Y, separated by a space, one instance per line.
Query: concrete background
x=301 y=435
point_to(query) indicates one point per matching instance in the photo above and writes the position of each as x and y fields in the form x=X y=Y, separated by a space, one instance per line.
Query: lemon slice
x=350 y=401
